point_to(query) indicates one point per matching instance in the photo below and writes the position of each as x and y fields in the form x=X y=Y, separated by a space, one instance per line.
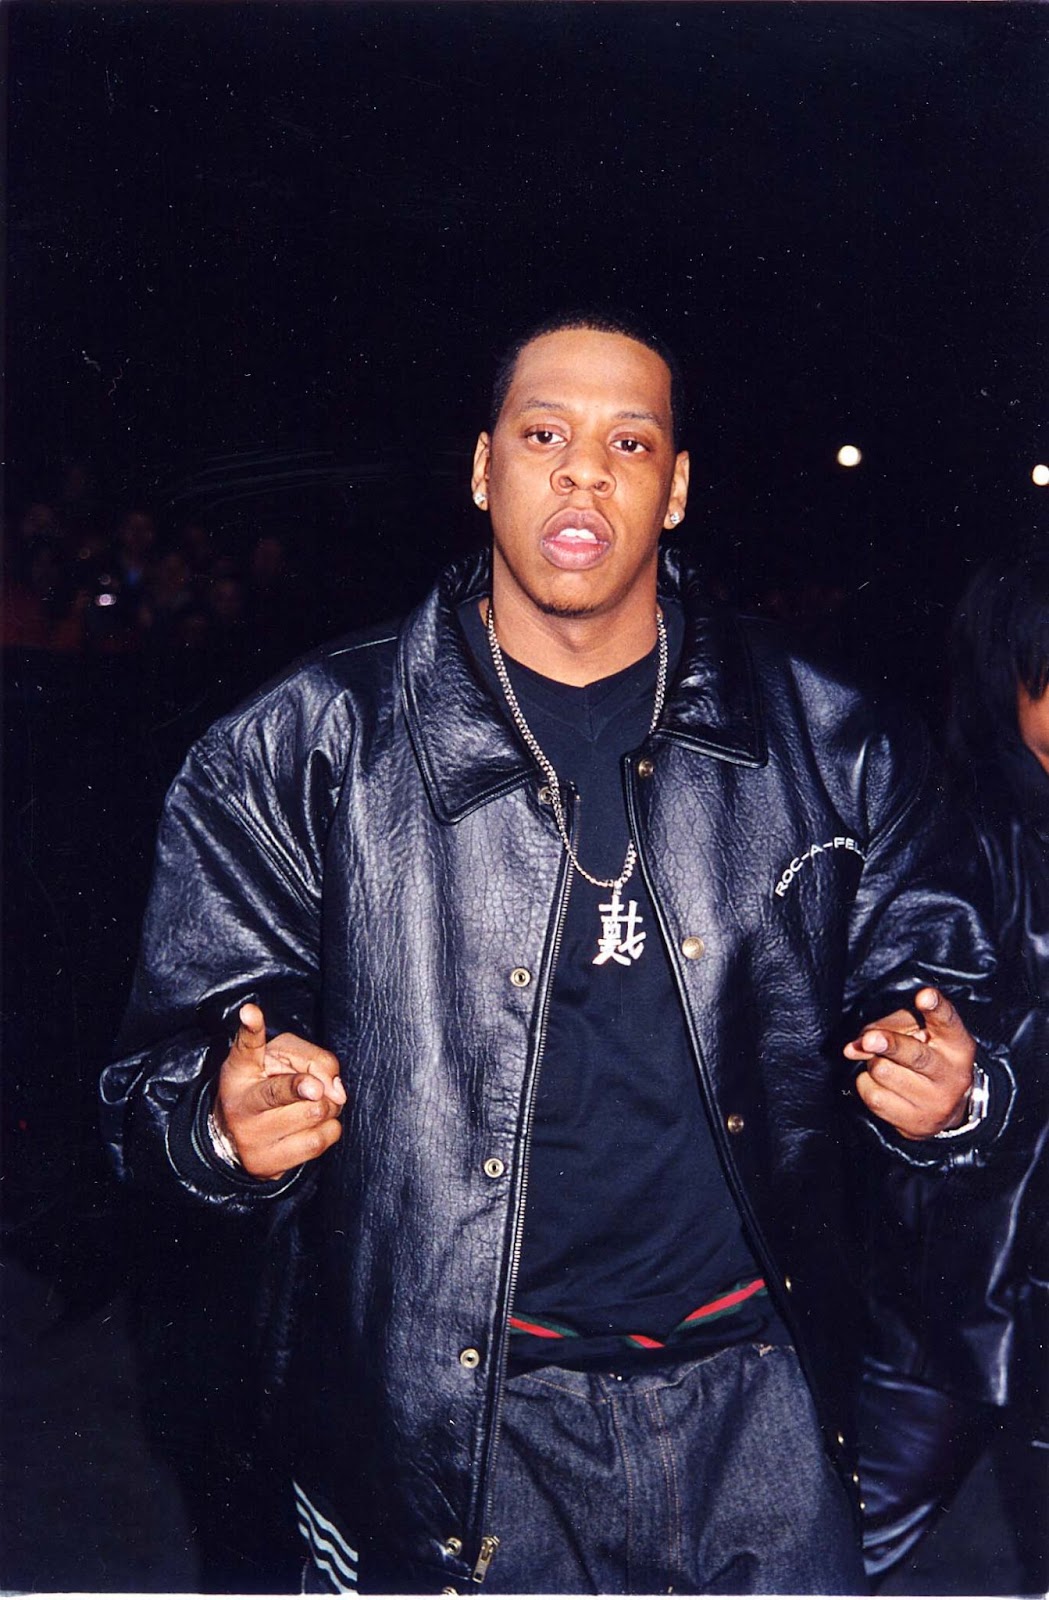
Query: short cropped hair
x=596 y=322
x=1000 y=639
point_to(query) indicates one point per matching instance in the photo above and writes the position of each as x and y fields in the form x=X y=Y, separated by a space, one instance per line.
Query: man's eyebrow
x=535 y=404
x=627 y=415
x=640 y=416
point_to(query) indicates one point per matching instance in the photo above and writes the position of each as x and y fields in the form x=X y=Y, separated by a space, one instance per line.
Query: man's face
x=581 y=475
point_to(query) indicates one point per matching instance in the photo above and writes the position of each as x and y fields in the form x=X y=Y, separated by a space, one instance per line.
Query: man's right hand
x=279 y=1100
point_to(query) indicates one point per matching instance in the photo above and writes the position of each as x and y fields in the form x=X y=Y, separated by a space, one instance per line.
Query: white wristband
x=979 y=1104
x=221 y=1143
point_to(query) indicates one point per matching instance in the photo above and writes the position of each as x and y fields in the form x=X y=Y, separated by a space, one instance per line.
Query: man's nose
x=585 y=466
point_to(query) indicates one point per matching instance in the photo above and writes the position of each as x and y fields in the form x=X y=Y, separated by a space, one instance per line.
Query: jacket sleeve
x=921 y=916
x=233 y=914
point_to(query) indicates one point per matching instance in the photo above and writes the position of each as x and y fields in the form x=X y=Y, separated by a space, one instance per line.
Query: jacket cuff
x=967 y=1145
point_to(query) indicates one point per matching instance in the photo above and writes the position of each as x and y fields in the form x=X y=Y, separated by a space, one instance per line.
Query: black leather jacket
x=1013 y=820
x=1009 y=800
x=364 y=849
x=986 y=1278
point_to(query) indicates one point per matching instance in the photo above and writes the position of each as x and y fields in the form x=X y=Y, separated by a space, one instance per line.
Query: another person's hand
x=917 y=1078
x=278 y=1100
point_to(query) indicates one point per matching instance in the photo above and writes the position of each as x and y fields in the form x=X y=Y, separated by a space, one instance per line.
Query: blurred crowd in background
x=83 y=578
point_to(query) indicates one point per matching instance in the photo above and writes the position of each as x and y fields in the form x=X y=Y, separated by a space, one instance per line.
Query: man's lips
x=574 y=540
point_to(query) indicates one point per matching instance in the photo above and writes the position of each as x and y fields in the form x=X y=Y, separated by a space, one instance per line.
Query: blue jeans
x=696 y=1477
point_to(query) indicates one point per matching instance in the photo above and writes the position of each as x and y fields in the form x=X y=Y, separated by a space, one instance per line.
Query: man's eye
x=630 y=447
x=542 y=435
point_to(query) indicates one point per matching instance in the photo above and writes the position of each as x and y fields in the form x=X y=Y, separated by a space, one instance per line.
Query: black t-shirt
x=630 y=1226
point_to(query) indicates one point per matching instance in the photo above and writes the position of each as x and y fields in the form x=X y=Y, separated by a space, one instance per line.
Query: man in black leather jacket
x=394 y=976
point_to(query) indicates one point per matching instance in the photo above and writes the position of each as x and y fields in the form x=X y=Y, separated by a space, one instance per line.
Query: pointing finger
x=939 y=1013
x=291 y=1089
x=251 y=1019
x=306 y=1058
x=874 y=1042
x=325 y=1068
x=902 y=1048
x=250 y=1041
x=898 y=1022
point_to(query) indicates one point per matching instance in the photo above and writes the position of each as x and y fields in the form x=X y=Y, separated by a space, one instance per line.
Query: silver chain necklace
x=544 y=762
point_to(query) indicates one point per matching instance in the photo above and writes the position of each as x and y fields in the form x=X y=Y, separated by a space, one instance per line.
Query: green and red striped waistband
x=722 y=1306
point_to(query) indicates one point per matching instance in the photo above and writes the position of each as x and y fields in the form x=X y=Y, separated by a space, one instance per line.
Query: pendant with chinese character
x=622 y=937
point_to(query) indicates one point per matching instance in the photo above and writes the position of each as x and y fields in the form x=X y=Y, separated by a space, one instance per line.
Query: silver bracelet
x=221 y=1142
x=978 y=1105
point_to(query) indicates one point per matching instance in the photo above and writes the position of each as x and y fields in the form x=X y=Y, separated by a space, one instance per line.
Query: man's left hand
x=918 y=1078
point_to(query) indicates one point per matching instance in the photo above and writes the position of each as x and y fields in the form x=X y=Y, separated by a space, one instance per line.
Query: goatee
x=551 y=608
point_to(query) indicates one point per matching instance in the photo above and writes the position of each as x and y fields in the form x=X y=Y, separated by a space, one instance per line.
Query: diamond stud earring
x=480 y=498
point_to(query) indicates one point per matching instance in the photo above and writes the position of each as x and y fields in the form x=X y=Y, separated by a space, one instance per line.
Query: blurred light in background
x=849 y=455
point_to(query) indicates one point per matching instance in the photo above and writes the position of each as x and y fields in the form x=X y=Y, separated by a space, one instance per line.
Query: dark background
x=260 y=257
x=260 y=260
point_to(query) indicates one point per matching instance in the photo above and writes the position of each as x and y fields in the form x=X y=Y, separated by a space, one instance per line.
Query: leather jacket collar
x=468 y=754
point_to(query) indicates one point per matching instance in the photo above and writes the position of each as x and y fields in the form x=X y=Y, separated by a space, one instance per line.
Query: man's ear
x=678 y=497
x=479 y=480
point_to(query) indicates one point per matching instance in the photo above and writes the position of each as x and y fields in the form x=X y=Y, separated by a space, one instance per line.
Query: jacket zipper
x=489 y=1545
x=489 y=1542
